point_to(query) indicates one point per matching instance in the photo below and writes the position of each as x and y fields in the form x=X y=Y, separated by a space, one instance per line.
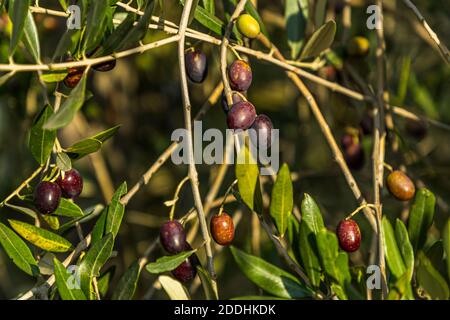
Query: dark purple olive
x=240 y=75
x=349 y=235
x=261 y=135
x=72 y=184
x=355 y=157
x=46 y=197
x=366 y=124
x=105 y=66
x=416 y=129
x=241 y=116
x=185 y=272
x=196 y=66
x=172 y=237
x=236 y=98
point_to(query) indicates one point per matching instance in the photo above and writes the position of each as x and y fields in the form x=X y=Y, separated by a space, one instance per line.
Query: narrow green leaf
x=139 y=30
x=174 y=289
x=99 y=228
x=193 y=9
x=31 y=38
x=405 y=247
x=247 y=174
x=128 y=282
x=393 y=256
x=104 y=280
x=334 y=263
x=52 y=221
x=208 y=20
x=91 y=264
x=115 y=211
x=69 y=108
x=18 y=12
x=311 y=214
x=68 y=208
x=282 y=200
x=41 y=141
x=107 y=134
x=95 y=24
x=18 y=251
x=27 y=211
x=321 y=40
x=295 y=24
x=209 y=6
x=168 y=263
x=430 y=280
x=66 y=283
x=269 y=277
x=446 y=242
x=83 y=148
x=320 y=7
x=399 y=290
x=402 y=88
x=308 y=254
x=41 y=238
x=207 y=285
x=63 y=161
x=421 y=217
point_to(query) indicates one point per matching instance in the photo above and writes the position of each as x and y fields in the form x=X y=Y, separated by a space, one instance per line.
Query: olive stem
x=227 y=193
x=175 y=198
x=367 y=205
x=23 y=185
x=388 y=167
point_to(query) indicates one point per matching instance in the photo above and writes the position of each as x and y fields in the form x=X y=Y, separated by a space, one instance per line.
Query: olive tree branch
x=193 y=175
x=442 y=48
x=22 y=186
x=379 y=146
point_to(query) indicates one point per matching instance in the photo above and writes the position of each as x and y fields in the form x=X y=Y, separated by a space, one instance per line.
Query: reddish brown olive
x=349 y=235
x=400 y=186
x=73 y=77
x=222 y=229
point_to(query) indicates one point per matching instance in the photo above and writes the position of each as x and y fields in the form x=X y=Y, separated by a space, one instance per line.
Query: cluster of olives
x=47 y=195
x=173 y=239
x=75 y=74
x=399 y=185
x=241 y=115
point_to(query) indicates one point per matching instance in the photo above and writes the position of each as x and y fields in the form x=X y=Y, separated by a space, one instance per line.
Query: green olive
x=248 y=26
x=358 y=46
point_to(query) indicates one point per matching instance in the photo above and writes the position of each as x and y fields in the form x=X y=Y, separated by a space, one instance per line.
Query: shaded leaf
x=295 y=20
x=31 y=38
x=405 y=247
x=421 y=217
x=308 y=254
x=446 y=243
x=91 y=264
x=247 y=174
x=63 y=161
x=27 y=211
x=128 y=282
x=208 y=20
x=174 y=289
x=168 y=263
x=69 y=108
x=321 y=40
x=115 y=211
x=68 y=208
x=269 y=277
x=95 y=24
x=83 y=148
x=99 y=228
x=207 y=284
x=399 y=290
x=41 y=238
x=18 y=12
x=41 y=141
x=66 y=283
x=430 y=280
x=393 y=256
x=52 y=221
x=18 y=251
x=282 y=200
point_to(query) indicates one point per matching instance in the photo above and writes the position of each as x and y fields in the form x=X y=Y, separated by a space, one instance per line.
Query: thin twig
x=22 y=186
x=193 y=175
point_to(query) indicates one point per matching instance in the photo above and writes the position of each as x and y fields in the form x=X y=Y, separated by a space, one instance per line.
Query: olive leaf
x=18 y=251
x=207 y=284
x=405 y=247
x=94 y=260
x=115 y=211
x=393 y=256
x=308 y=253
x=66 y=283
x=247 y=174
x=311 y=214
x=321 y=40
x=128 y=282
x=446 y=243
x=41 y=238
x=63 y=161
x=421 y=217
x=68 y=208
x=95 y=24
x=430 y=280
x=295 y=16
x=168 y=263
x=174 y=289
x=18 y=12
x=208 y=20
x=269 y=277
x=282 y=200
x=69 y=108
x=41 y=140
